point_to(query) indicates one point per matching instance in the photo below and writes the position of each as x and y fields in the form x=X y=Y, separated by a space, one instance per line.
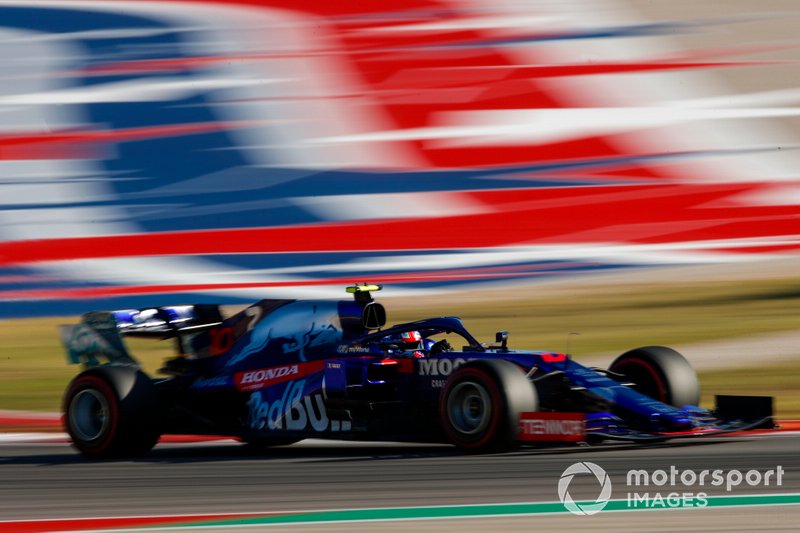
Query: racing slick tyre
x=481 y=402
x=661 y=373
x=112 y=411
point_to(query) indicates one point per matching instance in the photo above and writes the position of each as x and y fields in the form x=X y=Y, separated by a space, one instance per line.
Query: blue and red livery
x=281 y=371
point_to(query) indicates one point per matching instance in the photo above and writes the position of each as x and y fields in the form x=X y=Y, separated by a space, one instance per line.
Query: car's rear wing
x=99 y=334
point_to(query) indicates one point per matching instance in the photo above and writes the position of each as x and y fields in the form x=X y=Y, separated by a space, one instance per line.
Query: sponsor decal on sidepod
x=292 y=411
x=253 y=380
x=440 y=367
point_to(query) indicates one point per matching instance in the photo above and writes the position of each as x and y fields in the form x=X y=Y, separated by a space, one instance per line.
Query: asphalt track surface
x=50 y=480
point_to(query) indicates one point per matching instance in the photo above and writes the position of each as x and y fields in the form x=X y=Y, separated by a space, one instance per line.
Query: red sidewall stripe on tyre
x=498 y=406
x=651 y=370
x=113 y=409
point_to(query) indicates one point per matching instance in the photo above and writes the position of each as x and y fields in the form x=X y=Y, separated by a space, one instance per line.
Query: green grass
x=781 y=380
x=34 y=373
x=33 y=366
x=614 y=319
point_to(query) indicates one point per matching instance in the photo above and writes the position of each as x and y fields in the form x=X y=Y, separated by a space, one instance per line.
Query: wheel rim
x=89 y=415
x=469 y=408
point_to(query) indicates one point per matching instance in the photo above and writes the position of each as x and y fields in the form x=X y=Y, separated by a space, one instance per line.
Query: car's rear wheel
x=661 y=373
x=481 y=402
x=112 y=412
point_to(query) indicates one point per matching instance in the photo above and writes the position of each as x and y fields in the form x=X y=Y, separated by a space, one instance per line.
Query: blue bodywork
x=291 y=369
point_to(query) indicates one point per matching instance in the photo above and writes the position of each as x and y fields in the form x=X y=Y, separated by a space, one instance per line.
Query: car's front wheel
x=481 y=402
x=661 y=373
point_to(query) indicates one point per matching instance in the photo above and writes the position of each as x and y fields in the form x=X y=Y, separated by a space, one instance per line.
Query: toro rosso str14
x=280 y=371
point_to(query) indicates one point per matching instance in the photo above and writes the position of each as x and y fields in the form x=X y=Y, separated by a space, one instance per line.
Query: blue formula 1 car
x=281 y=371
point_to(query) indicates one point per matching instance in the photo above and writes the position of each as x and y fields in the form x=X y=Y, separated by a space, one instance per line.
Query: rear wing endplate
x=98 y=337
x=95 y=338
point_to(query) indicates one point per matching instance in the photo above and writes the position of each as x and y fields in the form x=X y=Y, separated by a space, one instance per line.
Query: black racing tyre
x=481 y=402
x=112 y=411
x=661 y=373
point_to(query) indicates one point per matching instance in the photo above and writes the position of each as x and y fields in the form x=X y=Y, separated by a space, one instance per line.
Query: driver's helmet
x=411 y=340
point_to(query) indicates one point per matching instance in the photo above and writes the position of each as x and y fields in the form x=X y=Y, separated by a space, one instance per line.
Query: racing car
x=280 y=371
